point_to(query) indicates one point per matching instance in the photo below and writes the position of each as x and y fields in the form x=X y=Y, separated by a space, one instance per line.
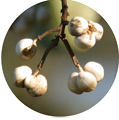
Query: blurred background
x=58 y=100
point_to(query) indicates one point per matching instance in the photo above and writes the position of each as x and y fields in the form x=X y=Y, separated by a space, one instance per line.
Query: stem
x=66 y=43
x=46 y=33
x=49 y=32
x=55 y=41
x=51 y=46
x=73 y=56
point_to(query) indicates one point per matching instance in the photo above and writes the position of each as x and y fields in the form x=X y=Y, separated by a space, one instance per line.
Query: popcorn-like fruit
x=85 y=41
x=96 y=69
x=19 y=75
x=36 y=85
x=77 y=26
x=26 y=49
x=86 y=81
x=72 y=84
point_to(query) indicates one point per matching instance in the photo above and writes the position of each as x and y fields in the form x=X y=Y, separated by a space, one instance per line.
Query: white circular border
x=12 y=108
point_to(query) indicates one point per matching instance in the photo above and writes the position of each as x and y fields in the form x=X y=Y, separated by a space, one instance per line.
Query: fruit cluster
x=86 y=80
x=35 y=85
x=86 y=32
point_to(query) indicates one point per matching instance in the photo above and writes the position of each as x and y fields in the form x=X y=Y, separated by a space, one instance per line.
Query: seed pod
x=30 y=82
x=85 y=41
x=98 y=30
x=26 y=49
x=77 y=26
x=96 y=69
x=86 y=81
x=36 y=86
x=72 y=84
x=19 y=74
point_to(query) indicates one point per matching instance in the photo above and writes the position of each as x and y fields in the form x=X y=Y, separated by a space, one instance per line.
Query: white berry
x=19 y=74
x=96 y=69
x=77 y=26
x=25 y=49
x=85 y=41
x=98 y=30
x=72 y=84
x=36 y=85
x=86 y=81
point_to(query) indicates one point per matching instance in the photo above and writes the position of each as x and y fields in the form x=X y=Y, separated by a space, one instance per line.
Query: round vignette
x=77 y=22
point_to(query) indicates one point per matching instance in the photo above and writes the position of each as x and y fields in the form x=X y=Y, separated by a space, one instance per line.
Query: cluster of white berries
x=86 y=32
x=35 y=85
x=86 y=80
x=22 y=75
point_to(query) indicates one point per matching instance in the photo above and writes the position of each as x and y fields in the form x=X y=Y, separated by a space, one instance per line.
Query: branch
x=65 y=14
x=73 y=56
x=47 y=33
x=55 y=41
x=51 y=46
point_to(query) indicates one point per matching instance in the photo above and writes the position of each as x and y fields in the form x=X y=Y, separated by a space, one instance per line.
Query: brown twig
x=47 y=33
x=73 y=56
x=51 y=46
x=61 y=35
x=65 y=14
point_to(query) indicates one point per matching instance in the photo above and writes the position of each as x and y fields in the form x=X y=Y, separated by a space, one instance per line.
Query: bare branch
x=61 y=35
x=51 y=46
x=47 y=33
x=73 y=56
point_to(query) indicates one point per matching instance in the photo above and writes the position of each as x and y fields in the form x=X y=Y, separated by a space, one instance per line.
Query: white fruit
x=36 y=85
x=77 y=26
x=19 y=74
x=30 y=81
x=25 y=49
x=86 y=81
x=72 y=84
x=96 y=69
x=99 y=30
x=85 y=41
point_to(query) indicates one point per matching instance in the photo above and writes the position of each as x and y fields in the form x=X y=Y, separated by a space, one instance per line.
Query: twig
x=61 y=35
x=51 y=46
x=73 y=56
x=47 y=33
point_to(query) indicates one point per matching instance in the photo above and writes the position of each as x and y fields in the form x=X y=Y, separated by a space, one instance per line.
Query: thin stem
x=46 y=33
x=49 y=32
x=63 y=36
x=73 y=56
x=51 y=46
